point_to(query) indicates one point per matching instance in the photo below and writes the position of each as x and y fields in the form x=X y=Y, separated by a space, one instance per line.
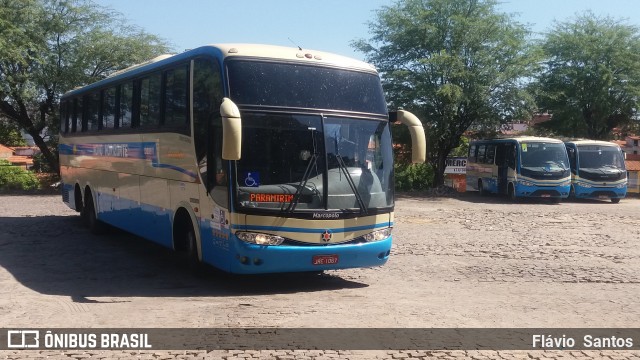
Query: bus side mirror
x=418 y=141
x=231 y=130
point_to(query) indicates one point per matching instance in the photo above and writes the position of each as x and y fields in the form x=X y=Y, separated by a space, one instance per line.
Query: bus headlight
x=585 y=185
x=525 y=183
x=566 y=183
x=377 y=235
x=259 y=238
x=621 y=186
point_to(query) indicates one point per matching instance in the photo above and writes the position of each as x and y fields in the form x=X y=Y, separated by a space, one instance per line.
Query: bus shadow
x=56 y=255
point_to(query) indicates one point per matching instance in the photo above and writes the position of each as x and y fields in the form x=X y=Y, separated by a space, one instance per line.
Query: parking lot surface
x=458 y=262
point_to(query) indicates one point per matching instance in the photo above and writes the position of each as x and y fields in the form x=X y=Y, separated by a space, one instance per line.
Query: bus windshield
x=310 y=162
x=596 y=157
x=262 y=83
x=549 y=156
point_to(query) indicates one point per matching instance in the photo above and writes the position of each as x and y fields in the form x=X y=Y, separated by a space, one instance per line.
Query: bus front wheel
x=512 y=193
x=96 y=226
x=615 y=200
x=193 y=258
x=186 y=242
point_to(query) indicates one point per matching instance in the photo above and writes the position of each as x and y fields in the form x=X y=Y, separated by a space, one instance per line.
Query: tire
x=512 y=193
x=193 y=255
x=483 y=192
x=615 y=200
x=95 y=226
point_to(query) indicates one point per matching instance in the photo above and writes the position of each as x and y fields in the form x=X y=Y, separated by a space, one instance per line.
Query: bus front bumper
x=543 y=191
x=257 y=259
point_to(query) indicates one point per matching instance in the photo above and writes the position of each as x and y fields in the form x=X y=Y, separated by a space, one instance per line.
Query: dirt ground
x=466 y=261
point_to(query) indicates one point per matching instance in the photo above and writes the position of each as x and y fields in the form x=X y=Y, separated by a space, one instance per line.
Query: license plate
x=603 y=197
x=325 y=259
x=546 y=195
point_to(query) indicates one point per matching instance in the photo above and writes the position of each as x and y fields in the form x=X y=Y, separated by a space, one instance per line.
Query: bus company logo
x=23 y=339
x=326 y=236
x=322 y=215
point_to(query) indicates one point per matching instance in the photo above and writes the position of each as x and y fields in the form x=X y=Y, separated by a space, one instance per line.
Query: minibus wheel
x=483 y=192
x=512 y=193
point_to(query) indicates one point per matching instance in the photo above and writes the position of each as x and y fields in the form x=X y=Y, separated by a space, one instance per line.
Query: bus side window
x=207 y=126
x=472 y=153
x=481 y=150
x=511 y=156
x=76 y=119
x=149 y=104
x=64 y=117
x=176 y=98
x=92 y=104
x=491 y=152
x=572 y=159
x=109 y=108
x=126 y=105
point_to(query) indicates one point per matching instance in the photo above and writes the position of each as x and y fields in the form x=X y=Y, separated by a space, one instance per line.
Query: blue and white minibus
x=597 y=170
x=519 y=167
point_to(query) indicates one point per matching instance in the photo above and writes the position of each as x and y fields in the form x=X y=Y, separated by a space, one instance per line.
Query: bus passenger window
x=109 y=108
x=126 y=105
x=77 y=115
x=150 y=101
x=176 y=98
x=92 y=104
x=64 y=117
x=481 y=157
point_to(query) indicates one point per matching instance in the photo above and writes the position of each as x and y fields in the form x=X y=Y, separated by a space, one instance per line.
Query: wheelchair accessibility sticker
x=252 y=179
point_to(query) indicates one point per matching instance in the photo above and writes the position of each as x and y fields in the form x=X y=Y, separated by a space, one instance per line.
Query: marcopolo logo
x=23 y=339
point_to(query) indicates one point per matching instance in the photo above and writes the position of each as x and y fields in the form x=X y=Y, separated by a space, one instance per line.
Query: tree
x=456 y=63
x=48 y=47
x=591 y=79
x=10 y=135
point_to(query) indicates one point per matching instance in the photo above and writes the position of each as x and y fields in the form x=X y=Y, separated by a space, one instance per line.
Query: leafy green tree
x=48 y=47
x=455 y=63
x=10 y=135
x=591 y=80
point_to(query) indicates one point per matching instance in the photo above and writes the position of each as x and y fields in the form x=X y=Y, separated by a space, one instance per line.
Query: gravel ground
x=464 y=261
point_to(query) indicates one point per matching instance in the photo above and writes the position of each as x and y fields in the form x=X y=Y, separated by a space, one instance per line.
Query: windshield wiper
x=307 y=173
x=352 y=184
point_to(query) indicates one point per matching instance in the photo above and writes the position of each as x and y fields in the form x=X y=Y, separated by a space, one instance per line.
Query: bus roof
x=224 y=51
x=522 y=139
x=592 y=142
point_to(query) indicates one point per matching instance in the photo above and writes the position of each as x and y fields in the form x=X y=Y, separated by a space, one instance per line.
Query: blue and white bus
x=519 y=167
x=250 y=158
x=597 y=170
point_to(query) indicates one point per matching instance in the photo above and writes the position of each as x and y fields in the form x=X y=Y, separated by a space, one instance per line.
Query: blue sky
x=327 y=25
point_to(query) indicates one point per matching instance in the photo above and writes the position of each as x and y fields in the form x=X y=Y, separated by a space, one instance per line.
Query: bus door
x=503 y=167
